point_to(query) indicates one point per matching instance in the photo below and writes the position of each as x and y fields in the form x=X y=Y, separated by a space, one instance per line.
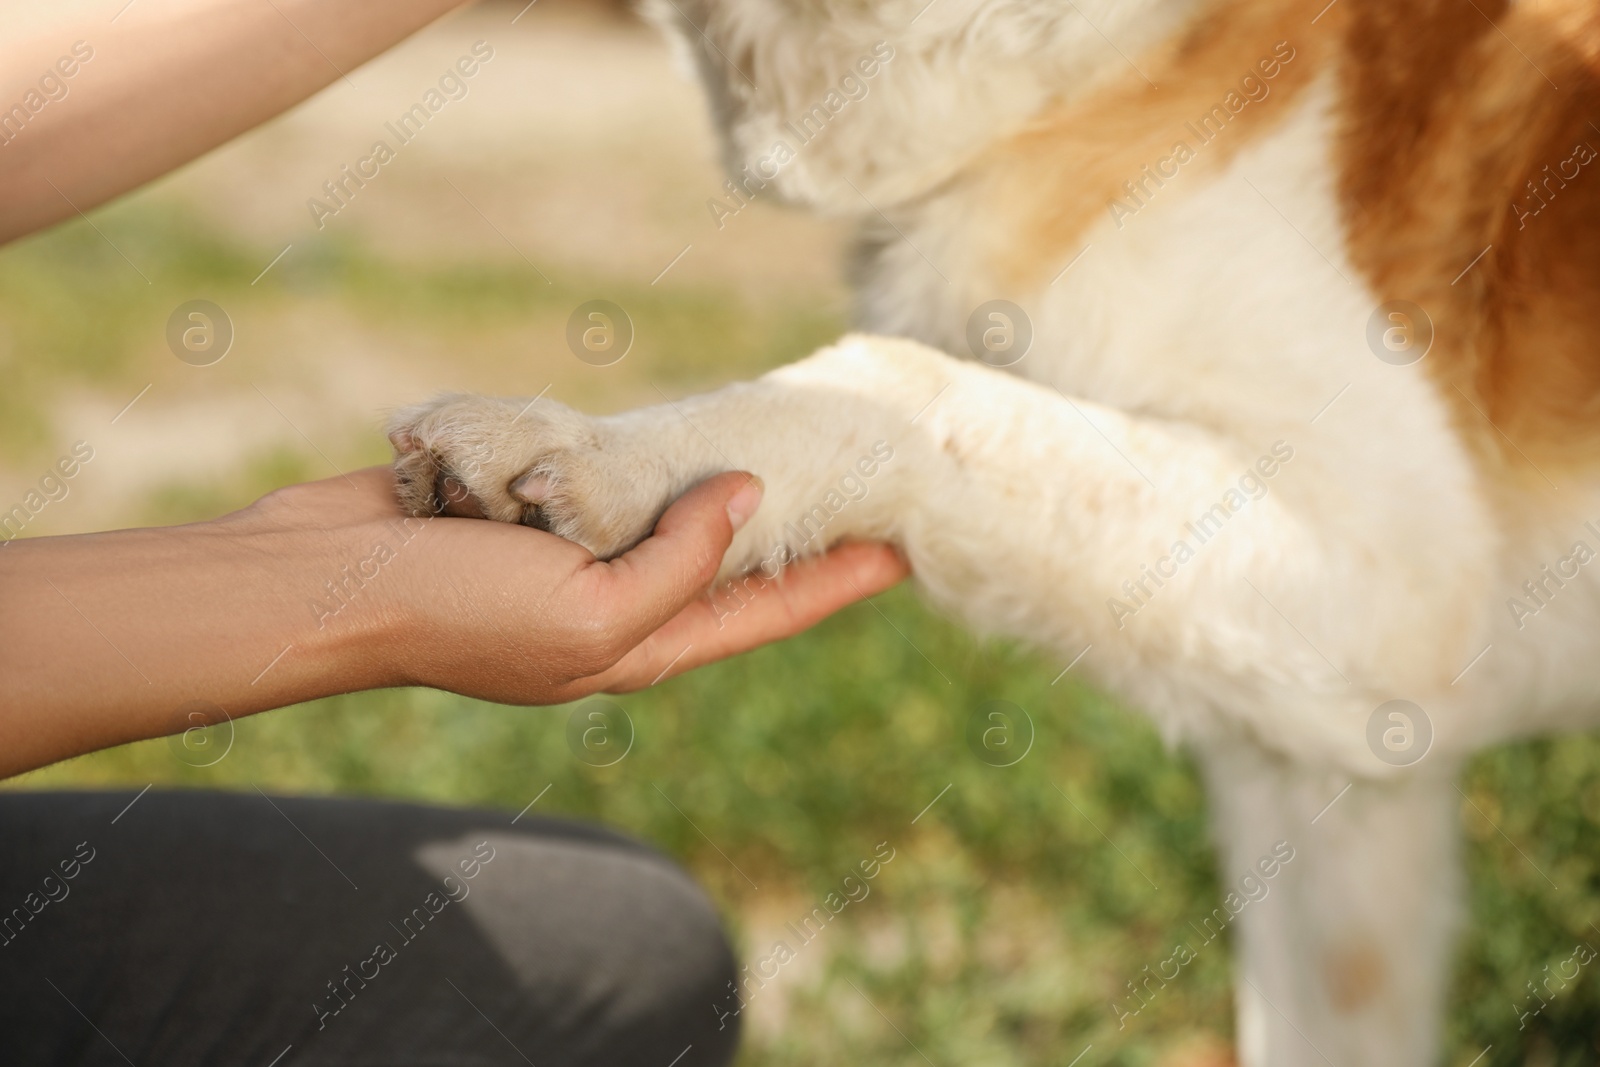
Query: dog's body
x=1201 y=471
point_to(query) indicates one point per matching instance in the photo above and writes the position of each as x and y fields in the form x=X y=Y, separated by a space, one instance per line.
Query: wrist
x=321 y=602
x=365 y=607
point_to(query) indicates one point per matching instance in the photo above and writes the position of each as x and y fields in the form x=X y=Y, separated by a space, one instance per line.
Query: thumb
x=655 y=580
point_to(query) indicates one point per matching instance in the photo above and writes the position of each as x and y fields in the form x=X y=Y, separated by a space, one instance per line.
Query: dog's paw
x=539 y=464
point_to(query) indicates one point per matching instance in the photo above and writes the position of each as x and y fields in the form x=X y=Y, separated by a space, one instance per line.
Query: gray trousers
x=242 y=929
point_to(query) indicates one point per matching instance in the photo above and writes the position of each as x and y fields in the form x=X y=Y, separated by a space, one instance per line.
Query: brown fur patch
x=1447 y=120
x=1355 y=975
x=1207 y=1050
x=1461 y=131
x=1056 y=177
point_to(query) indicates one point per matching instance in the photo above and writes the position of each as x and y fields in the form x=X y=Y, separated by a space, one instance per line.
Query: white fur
x=1221 y=319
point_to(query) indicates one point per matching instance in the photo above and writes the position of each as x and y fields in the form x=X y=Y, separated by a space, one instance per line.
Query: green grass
x=1008 y=920
x=75 y=313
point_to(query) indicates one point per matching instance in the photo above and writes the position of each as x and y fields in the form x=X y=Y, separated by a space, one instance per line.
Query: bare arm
x=329 y=588
x=166 y=82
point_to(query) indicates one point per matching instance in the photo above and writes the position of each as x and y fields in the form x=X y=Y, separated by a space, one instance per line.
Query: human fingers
x=638 y=592
x=756 y=611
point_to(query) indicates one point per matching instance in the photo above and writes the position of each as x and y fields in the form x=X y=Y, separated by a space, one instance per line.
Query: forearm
x=106 y=638
x=167 y=82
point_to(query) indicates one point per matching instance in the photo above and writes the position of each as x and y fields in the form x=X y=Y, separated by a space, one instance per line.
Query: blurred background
x=1022 y=899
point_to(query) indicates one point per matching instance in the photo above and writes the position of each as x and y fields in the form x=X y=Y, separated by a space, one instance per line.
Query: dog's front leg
x=1182 y=556
x=1342 y=896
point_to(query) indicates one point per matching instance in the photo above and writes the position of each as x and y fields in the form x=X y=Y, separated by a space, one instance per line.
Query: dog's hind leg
x=1342 y=947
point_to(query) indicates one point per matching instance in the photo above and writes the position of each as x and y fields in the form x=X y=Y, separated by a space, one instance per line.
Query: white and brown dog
x=1308 y=422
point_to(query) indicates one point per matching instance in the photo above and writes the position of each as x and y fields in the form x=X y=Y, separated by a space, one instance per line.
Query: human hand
x=329 y=587
x=519 y=616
